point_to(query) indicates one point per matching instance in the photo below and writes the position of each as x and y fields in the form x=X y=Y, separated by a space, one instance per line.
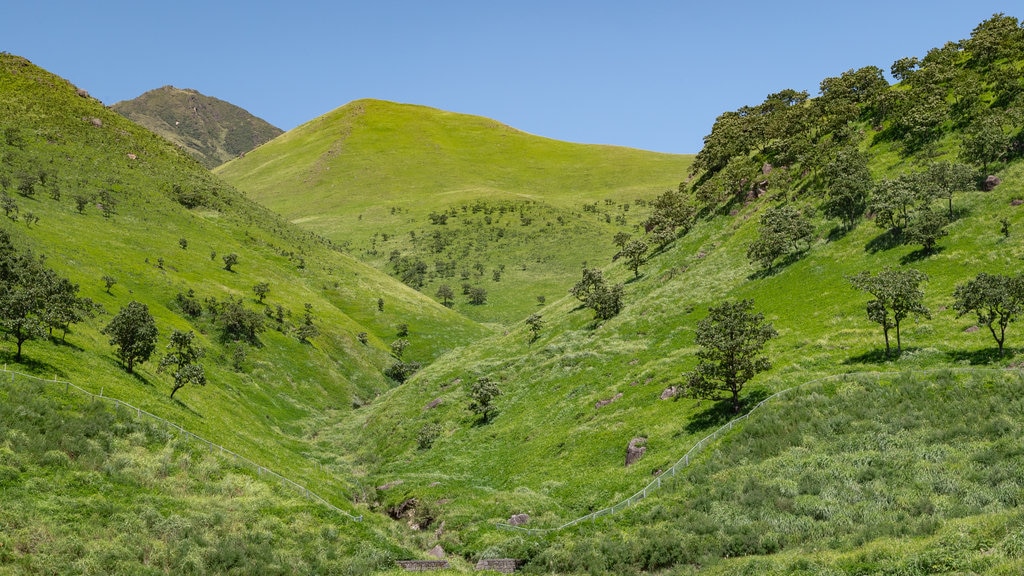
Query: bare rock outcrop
x=635 y=450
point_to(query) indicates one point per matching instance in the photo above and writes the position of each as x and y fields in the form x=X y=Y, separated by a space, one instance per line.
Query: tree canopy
x=731 y=338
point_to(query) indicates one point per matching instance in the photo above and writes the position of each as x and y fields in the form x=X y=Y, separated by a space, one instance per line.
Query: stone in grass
x=518 y=519
x=635 y=450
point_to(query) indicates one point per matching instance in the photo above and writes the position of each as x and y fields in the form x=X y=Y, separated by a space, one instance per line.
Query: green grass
x=551 y=454
x=269 y=408
x=373 y=168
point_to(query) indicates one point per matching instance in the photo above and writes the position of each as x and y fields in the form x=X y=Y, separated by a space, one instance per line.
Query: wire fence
x=703 y=443
x=139 y=413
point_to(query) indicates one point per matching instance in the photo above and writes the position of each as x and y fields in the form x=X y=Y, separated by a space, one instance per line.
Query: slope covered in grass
x=577 y=395
x=463 y=194
x=92 y=490
x=98 y=196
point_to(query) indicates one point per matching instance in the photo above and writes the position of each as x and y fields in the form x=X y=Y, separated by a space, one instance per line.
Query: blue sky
x=645 y=74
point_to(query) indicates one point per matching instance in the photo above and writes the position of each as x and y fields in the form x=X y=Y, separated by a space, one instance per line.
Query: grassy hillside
x=98 y=196
x=573 y=399
x=463 y=194
x=210 y=130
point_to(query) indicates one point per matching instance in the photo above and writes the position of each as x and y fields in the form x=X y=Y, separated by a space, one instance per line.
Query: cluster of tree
x=732 y=336
x=133 y=332
x=972 y=89
x=35 y=300
x=595 y=293
x=996 y=300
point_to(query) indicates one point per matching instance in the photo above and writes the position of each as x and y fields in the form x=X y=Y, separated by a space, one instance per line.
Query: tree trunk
x=886 y=332
x=899 y=344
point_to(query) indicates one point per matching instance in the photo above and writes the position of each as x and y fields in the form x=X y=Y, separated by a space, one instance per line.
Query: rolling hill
x=212 y=131
x=871 y=460
x=125 y=216
x=471 y=200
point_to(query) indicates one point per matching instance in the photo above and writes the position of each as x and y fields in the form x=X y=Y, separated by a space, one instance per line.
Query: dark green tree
x=133 y=332
x=236 y=322
x=23 y=292
x=848 y=183
x=635 y=253
x=731 y=338
x=182 y=359
x=477 y=295
x=481 y=398
x=535 y=322
x=897 y=296
x=925 y=228
x=307 y=330
x=230 y=260
x=784 y=230
x=63 y=305
x=943 y=179
x=261 y=289
x=996 y=300
x=446 y=295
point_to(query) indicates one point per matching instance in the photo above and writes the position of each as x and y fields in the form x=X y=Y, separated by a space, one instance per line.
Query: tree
x=230 y=260
x=477 y=295
x=944 y=178
x=535 y=322
x=445 y=293
x=996 y=300
x=849 y=183
x=398 y=347
x=925 y=228
x=595 y=294
x=783 y=230
x=731 y=338
x=897 y=296
x=635 y=253
x=183 y=354
x=481 y=398
x=307 y=329
x=672 y=212
x=986 y=141
x=261 y=289
x=9 y=206
x=237 y=322
x=893 y=201
x=63 y=306
x=23 y=291
x=133 y=331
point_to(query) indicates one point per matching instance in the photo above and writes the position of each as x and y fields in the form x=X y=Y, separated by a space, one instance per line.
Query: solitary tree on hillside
x=133 y=331
x=481 y=398
x=731 y=338
x=230 y=260
x=897 y=296
x=635 y=253
x=182 y=358
x=996 y=300
x=261 y=289
x=535 y=322
x=445 y=293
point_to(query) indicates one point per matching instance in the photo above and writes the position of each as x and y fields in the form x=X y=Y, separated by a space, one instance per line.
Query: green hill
x=98 y=197
x=212 y=131
x=874 y=460
x=462 y=196
x=573 y=398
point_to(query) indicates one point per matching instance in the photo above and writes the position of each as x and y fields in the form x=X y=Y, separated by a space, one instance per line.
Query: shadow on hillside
x=778 y=267
x=116 y=365
x=885 y=241
x=720 y=412
x=981 y=357
x=186 y=407
x=838 y=233
x=876 y=356
x=918 y=255
x=65 y=344
x=29 y=365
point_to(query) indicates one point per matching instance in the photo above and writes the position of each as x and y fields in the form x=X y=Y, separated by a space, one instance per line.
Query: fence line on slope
x=139 y=412
x=701 y=444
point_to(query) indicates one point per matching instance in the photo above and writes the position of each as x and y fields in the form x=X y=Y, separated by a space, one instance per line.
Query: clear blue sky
x=645 y=74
